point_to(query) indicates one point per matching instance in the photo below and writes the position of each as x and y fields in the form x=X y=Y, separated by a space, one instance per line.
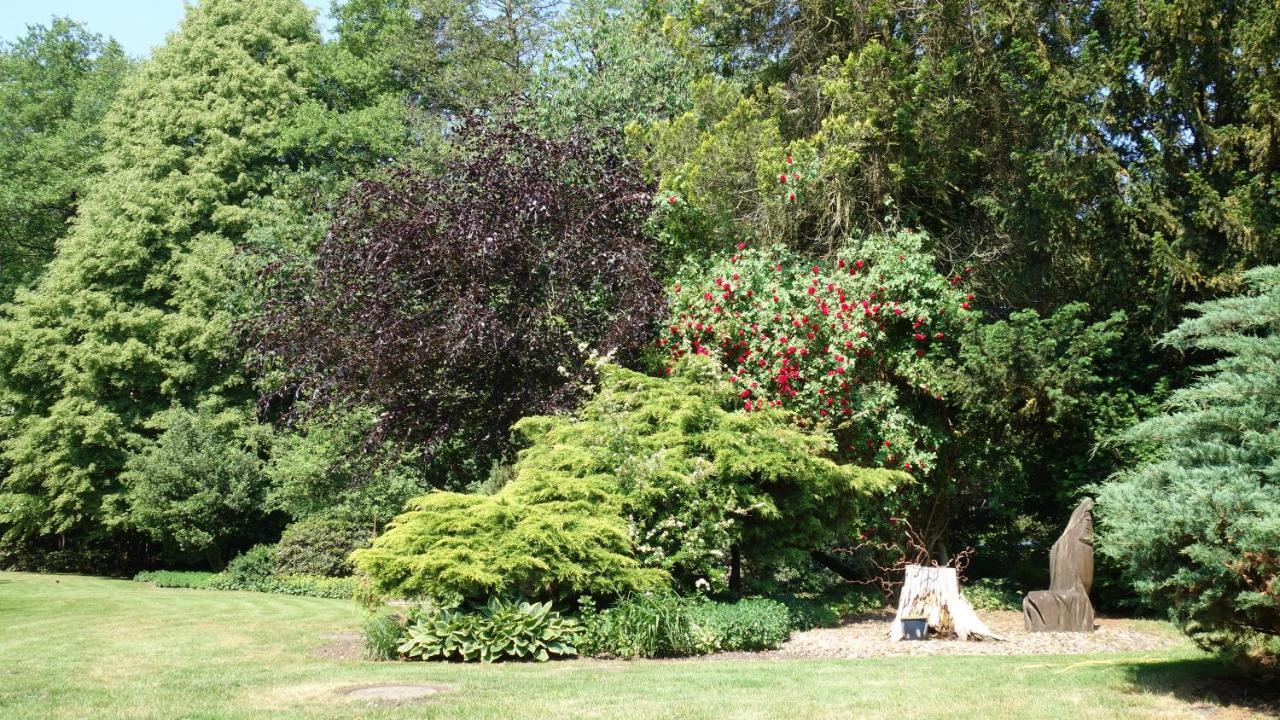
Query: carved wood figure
x=1065 y=606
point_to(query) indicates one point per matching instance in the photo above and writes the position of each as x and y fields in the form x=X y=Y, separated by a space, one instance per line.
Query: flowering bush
x=853 y=343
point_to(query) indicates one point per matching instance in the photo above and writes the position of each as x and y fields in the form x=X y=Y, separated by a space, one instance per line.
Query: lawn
x=83 y=647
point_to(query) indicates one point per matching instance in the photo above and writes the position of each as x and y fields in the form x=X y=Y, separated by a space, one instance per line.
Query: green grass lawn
x=82 y=647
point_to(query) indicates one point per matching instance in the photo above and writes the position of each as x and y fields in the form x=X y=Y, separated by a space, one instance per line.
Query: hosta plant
x=500 y=630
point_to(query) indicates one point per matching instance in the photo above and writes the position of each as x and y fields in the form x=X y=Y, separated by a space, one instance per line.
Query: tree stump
x=934 y=593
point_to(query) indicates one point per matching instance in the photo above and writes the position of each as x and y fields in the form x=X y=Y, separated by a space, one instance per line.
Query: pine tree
x=1197 y=523
x=132 y=315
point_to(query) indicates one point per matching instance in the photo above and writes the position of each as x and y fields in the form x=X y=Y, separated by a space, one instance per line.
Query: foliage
x=131 y=318
x=608 y=66
x=249 y=569
x=994 y=594
x=382 y=631
x=836 y=341
x=646 y=625
x=458 y=302
x=750 y=624
x=541 y=536
x=56 y=83
x=1196 y=522
x=1099 y=152
x=322 y=468
x=499 y=630
x=199 y=488
x=192 y=579
x=319 y=546
x=1029 y=399
x=701 y=487
x=247 y=577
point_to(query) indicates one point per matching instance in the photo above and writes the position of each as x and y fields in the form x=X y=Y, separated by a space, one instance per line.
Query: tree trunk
x=934 y=593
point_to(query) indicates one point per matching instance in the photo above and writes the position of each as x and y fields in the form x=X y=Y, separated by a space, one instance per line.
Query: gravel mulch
x=868 y=636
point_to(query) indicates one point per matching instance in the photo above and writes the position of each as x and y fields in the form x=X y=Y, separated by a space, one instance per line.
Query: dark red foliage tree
x=458 y=302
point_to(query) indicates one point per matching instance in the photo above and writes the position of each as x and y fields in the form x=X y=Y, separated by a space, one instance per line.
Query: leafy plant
x=319 y=547
x=458 y=302
x=499 y=630
x=646 y=625
x=749 y=624
x=192 y=579
x=382 y=632
x=993 y=594
x=250 y=568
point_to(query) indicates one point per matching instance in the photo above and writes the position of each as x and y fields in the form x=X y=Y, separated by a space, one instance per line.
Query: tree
x=1196 y=521
x=609 y=66
x=1096 y=152
x=56 y=83
x=199 y=488
x=132 y=317
x=455 y=303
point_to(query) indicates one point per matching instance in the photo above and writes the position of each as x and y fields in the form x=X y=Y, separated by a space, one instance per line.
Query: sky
x=138 y=25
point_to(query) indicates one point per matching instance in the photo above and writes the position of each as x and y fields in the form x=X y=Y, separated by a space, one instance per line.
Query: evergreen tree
x=133 y=315
x=1197 y=523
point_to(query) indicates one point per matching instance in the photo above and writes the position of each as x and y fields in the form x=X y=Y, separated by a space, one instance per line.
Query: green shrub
x=308 y=585
x=652 y=479
x=648 y=625
x=249 y=569
x=383 y=632
x=500 y=630
x=806 y=614
x=319 y=547
x=750 y=624
x=193 y=579
x=993 y=594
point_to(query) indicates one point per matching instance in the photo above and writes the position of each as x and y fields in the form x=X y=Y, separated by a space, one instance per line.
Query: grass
x=75 y=647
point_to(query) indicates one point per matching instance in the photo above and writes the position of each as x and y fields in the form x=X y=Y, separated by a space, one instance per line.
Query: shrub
x=854 y=342
x=646 y=625
x=1196 y=525
x=993 y=594
x=806 y=614
x=309 y=586
x=199 y=487
x=319 y=547
x=193 y=579
x=249 y=569
x=383 y=632
x=749 y=624
x=500 y=630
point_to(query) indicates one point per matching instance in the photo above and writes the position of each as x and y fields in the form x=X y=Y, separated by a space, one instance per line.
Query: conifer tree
x=1197 y=523
x=132 y=317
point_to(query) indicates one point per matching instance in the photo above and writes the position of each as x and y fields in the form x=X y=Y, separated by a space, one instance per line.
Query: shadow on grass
x=1210 y=682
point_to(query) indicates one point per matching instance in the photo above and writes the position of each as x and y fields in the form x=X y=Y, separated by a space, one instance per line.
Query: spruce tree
x=1197 y=523
x=132 y=317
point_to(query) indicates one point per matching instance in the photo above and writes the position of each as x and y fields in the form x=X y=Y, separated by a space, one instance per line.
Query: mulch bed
x=868 y=636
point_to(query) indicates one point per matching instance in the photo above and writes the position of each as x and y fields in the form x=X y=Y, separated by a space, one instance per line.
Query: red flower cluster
x=829 y=340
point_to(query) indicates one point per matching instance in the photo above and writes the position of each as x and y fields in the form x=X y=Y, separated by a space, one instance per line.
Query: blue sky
x=138 y=25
